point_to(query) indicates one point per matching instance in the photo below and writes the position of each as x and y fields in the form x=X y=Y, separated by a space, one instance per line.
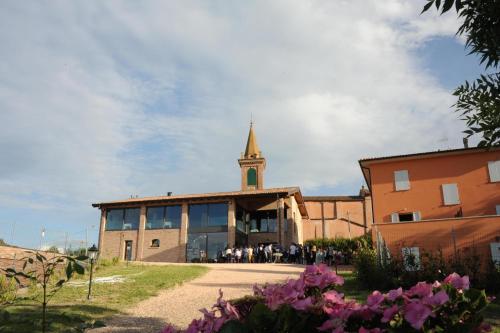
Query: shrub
x=311 y=304
x=346 y=246
x=8 y=290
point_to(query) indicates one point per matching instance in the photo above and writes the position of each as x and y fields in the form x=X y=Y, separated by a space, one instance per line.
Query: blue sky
x=103 y=100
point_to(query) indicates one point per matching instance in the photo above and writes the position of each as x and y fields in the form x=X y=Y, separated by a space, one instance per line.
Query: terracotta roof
x=334 y=198
x=295 y=191
x=428 y=154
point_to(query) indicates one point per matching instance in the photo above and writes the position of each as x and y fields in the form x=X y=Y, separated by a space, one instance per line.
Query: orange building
x=445 y=199
x=338 y=216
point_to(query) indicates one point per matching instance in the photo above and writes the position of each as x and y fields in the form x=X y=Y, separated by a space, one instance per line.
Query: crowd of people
x=267 y=253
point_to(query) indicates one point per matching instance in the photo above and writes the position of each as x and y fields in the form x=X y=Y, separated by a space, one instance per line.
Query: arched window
x=252 y=177
x=155 y=243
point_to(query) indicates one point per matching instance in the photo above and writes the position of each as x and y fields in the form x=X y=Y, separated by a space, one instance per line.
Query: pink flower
x=416 y=313
x=421 y=289
x=457 y=281
x=169 y=329
x=302 y=304
x=374 y=300
x=438 y=299
x=392 y=295
x=373 y=330
x=389 y=313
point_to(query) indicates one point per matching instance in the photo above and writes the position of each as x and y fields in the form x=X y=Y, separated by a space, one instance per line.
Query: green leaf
x=447 y=5
x=78 y=268
x=234 y=326
x=427 y=6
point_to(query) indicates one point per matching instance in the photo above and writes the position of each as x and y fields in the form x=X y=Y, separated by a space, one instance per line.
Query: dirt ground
x=180 y=305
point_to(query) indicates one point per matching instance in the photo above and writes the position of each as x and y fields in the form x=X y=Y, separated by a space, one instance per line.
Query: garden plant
x=312 y=303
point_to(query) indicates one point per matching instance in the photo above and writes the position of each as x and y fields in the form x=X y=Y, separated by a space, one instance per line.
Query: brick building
x=448 y=200
x=184 y=228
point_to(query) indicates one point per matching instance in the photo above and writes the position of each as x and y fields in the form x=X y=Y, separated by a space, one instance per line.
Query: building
x=338 y=216
x=187 y=228
x=448 y=200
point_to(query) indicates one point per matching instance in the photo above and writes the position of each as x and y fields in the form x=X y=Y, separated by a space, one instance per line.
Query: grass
x=70 y=311
x=352 y=290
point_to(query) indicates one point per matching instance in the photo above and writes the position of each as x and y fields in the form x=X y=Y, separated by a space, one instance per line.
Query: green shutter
x=251 y=177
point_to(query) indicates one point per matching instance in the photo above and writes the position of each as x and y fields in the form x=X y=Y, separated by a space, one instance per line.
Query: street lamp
x=92 y=251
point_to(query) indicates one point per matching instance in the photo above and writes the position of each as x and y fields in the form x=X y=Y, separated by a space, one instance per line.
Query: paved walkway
x=181 y=304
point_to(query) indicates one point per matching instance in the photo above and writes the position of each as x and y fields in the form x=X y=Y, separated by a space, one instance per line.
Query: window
x=208 y=217
x=263 y=221
x=123 y=219
x=164 y=217
x=494 y=171
x=450 y=194
x=411 y=258
x=405 y=217
x=252 y=177
x=155 y=243
x=401 y=180
x=498 y=209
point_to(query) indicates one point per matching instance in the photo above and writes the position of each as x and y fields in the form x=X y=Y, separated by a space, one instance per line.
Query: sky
x=100 y=100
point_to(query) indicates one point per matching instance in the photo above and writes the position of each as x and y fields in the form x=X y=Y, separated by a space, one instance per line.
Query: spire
x=252 y=149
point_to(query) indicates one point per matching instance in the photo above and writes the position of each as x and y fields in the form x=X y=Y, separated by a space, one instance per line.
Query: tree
x=50 y=272
x=478 y=102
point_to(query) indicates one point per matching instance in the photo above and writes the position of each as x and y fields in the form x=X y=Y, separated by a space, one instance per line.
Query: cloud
x=100 y=100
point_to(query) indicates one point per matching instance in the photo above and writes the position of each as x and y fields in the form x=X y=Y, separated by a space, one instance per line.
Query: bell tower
x=252 y=164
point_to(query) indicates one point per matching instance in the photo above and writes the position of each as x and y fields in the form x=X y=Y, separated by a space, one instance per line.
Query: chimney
x=466 y=143
x=169 y=194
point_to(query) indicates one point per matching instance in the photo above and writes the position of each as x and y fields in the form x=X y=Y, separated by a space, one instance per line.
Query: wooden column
x=231 y=222
x=140 y=234
x=102 y=228
x=281 y=221
x=183 y=233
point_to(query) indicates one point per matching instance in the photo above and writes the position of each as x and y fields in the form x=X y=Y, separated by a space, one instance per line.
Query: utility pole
x=42 y=236
x=66 y=243
x=12 y=233
x=86 y=240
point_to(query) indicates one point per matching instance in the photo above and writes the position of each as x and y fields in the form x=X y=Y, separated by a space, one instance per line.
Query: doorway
x=128 y=250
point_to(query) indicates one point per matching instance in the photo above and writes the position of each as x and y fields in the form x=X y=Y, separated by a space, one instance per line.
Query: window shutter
x=498 y=209
x=416 y=216
x=394 y=217
x=450 y=194
x=401 y=180
x=494 y=171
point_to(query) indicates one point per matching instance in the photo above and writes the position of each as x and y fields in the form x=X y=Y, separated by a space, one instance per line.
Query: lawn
x=70 y=311
x=351 y=290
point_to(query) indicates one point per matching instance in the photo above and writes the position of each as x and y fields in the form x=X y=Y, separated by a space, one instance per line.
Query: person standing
x=293 y=251
x=229 y=254
x=250 y=254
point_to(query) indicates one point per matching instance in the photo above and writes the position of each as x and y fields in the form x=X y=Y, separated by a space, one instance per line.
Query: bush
x=311 y=304
x=348 y=247
x=8 y=290
x=389 y=271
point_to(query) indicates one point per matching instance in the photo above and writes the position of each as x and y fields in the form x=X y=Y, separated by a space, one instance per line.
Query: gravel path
x=181 y=304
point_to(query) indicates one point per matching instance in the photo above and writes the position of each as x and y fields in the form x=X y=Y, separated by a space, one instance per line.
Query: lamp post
x=92 y=251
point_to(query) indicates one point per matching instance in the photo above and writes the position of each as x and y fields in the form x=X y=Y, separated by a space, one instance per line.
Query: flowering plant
x=311 y=304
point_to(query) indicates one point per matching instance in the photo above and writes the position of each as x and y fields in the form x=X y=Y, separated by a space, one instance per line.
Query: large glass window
x=208 y=217
x=197 y=216
x=123 y=219
x=165 y=217
x=217 y=214
x=263 y=221
x=114 y=219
